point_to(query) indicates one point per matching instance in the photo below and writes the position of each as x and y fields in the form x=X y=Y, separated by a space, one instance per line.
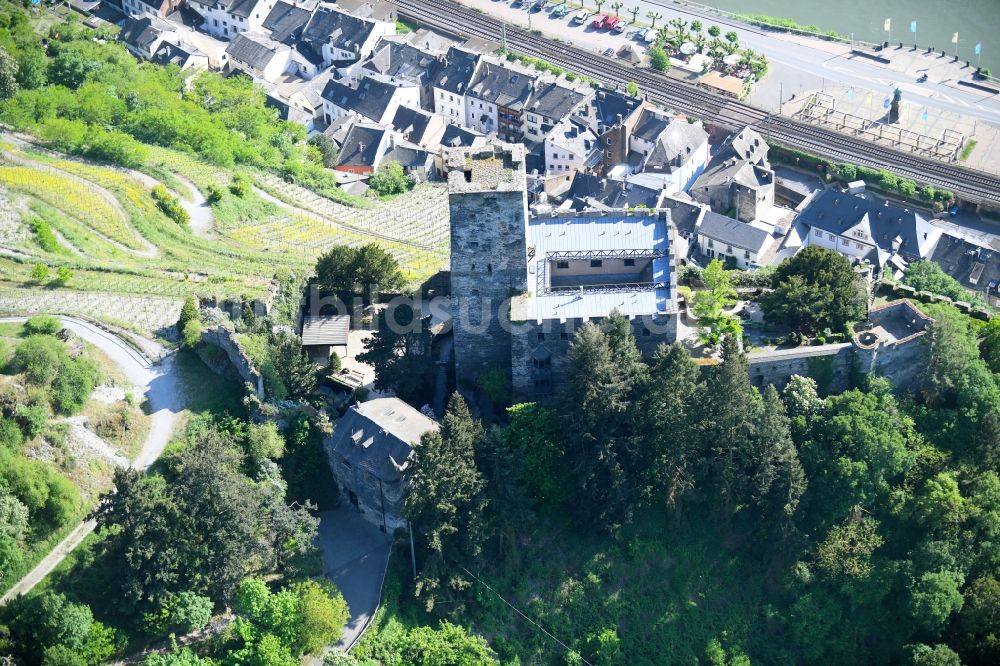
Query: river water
x=937 y=20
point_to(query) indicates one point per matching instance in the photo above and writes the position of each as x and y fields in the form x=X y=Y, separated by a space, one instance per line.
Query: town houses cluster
x=385 y=94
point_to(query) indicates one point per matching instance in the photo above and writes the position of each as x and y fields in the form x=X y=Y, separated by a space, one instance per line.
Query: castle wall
x=540 y=351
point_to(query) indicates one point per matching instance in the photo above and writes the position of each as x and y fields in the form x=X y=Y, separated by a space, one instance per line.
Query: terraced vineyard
x=120 y=247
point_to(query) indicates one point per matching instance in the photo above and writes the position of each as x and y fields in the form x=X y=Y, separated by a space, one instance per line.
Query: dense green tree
x=48 y=620
x=292 y=364
x=182 y=657
x=814 y=290
x=934 y=597
x=669 y=403
x=847 y=549
x=366 y=271
x=710 y=303
x=189 y=312
x=978 y=626
x=939 y=504
x=327 y=149
x=927 y=276
x=74 y=382
x=594 y=420
x=445 y=506
x=778 y=477
x=730 y=408
x=181 y=613
x=951 y=349
x=323 y=614
x=449 y=645
x=13 y=517
x=304 y=465
x=990 y=346
x=400 y=353
x=859 y=446
x=939 y=655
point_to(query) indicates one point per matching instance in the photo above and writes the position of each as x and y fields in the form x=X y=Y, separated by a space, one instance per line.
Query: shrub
x=183 y=612
x=44 y=236
x=73 y=384
x=10 y=435
x=390 y=179
x=191 y=334
x=848 y=172
x=42 y=325
x=170 y=205
x=39 y=358
x=33 y=419
x=40 y=273
x=215 y=194
x=240 y=186
x=63 y=275
x=658 y=59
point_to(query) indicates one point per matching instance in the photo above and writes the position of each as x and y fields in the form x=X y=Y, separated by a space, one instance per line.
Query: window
x=541 y=336
x=562 y=264
x=564 y=336
x=860 y=246
x=729 y=249
x=596 y=263
x=711 y=243
x=645 y=332
x=746 y=254
x=630 y=262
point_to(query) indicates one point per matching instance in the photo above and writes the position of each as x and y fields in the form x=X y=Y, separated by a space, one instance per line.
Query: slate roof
x=747 y=144
x=285 y=22
x=326 y=330
x=683 y=214
x=241 y=8
x=378 y=436
x=336 y=28
x=892 y=228
x=554 y=101
x=455 y=136
x=725 y=172
x=588 y=191
x=411 y=122
x=650 y=125
x=172 y=54
x=143 y=32
x=609 y=104
x=674 y=146
x=402 y=61
x=733 y=232
x=975 y=267
x=368 y=97
x=255 y=50
x=455 y=73
x=409 y=157
x=361 y=145
x=502 y=86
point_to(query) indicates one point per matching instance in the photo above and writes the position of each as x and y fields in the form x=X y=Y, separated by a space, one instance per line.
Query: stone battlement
x=492 y=168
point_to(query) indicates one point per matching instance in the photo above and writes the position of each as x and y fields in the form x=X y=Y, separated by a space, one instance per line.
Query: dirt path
x=159 y=383
x=202 y=223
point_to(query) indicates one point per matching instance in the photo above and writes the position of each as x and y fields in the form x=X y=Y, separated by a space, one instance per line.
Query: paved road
x=158 y=382
x=355 y=556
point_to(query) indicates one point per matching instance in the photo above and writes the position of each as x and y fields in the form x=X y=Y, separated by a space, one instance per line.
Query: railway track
x=461 y=21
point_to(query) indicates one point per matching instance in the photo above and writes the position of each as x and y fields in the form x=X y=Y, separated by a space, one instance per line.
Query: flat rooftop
x=581 y=238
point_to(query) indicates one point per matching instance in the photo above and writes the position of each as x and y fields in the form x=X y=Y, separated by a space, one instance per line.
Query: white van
x=581 y=17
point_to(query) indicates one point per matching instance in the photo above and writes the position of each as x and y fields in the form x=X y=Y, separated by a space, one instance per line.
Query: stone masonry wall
x=379 y=503
x=550 y=339
x=224 y=338
x=488 y=266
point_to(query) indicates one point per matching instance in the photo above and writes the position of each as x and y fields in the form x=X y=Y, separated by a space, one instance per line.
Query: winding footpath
x=155 y=374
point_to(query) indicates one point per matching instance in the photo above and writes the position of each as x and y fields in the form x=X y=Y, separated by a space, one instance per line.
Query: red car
x=598 y=22
x=612 y=22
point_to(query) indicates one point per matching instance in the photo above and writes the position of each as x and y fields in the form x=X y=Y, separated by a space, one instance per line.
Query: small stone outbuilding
x=369 y=453
x=325 y=335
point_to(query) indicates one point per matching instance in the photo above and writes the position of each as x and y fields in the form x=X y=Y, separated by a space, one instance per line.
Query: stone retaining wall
x=224 y=338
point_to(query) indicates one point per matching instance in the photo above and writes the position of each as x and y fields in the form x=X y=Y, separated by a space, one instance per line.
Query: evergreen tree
x=730 y=409
x=446 y=506
x=951 y=349
x=779 y=479
x=400 y=352
x=595 y=405
x=8 y=75
x=669 y=405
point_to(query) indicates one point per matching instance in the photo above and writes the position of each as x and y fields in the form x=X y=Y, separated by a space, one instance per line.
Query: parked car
x=650 y=36
x=581 y=16
x=611 y=22
x=560 y=11
x=598 y=21
x=538 y=6
x=609 y=51
x=621 y=25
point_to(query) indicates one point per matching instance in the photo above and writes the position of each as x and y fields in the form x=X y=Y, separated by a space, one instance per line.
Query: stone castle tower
x=488 y=202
